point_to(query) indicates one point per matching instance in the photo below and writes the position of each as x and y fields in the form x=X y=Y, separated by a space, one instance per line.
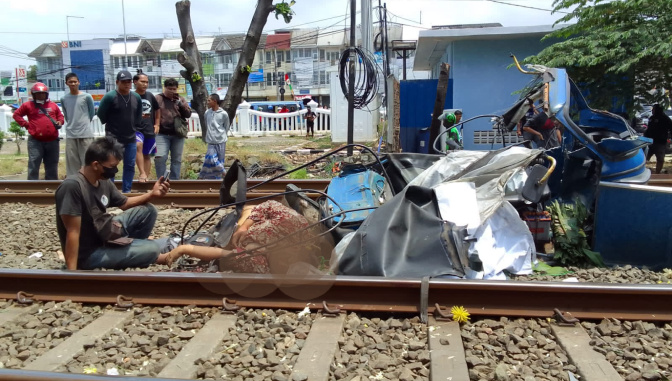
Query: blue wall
x=482 y=83
x=417 y=99
x=89 y=67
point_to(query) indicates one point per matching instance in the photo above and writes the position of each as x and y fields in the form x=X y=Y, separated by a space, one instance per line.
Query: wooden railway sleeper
x=23 y=297
x=564 y=318
x=124 y=303
x=330 y=311
x=440 y=314
x=229 y=306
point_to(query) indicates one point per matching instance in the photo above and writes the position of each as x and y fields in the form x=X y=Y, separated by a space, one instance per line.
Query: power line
x=526 y=6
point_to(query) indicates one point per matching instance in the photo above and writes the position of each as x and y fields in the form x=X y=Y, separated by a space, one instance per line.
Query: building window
x=281 y=78
x=269 y=57
x=322 y=55
x=116 y=63
x=323 y=78
x=280 y=58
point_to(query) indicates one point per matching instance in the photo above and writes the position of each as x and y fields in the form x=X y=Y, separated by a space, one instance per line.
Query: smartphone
x=166 y=175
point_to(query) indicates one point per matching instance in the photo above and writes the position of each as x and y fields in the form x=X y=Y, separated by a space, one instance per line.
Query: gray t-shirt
x=70 y=202
x=78 y=110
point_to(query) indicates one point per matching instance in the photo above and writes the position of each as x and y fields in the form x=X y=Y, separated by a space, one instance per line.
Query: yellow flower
x=460 y=314
x=91 y=370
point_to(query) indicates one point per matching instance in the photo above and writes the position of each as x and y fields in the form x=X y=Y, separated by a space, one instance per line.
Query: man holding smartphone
x=121 y=112
x=172 y=106
x=81 y=242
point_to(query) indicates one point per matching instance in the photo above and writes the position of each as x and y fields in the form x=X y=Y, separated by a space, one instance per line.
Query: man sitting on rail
x=91 y=238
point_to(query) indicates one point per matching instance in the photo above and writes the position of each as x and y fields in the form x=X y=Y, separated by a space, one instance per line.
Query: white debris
x=113 y=372
x=303 y=313
x=36 y=255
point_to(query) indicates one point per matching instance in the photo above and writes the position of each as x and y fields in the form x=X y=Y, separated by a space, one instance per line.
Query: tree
x=613 y=46
x=192 y=59
x=31 y=75
x=18 y=133
x=234 y=95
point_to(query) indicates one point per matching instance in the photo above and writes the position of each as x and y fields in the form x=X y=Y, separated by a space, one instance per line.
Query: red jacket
x=39 y=126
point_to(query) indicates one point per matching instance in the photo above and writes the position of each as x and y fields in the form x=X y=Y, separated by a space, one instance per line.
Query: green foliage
x=2 y=138
x=31 y=74
x=285 y=9
x=195 y=77
x=569 y=238
x=300 y=174
x=246 y=69
x=614 y=46
x=546 y=269
x=18 y=132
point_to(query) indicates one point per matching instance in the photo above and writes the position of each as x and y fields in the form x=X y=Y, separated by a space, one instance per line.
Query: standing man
x=453 y=139
x=172 y=105
x=145 y=138
x=78 y=109
x=310 y=122
x=217 y=121
x=121 y=112
x=44 y=121
x=88 y=194
x=659 y=130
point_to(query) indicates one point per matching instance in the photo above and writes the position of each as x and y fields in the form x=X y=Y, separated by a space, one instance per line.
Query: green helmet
x=450 y=119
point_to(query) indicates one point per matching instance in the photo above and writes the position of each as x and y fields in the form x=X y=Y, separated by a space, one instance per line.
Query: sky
x=24 y=25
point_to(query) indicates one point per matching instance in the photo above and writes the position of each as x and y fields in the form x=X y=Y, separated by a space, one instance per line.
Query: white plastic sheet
x=504 y=243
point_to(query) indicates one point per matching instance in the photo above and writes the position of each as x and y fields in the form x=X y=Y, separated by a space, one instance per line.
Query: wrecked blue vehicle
x=596 y=145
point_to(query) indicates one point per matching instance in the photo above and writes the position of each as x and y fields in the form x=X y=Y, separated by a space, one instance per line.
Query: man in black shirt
x=145 y=137
x=658 y=129
x=81 y=242
x=121 y=112
x=310 y=122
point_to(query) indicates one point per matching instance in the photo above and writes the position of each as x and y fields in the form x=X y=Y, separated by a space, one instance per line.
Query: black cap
x=124 y=75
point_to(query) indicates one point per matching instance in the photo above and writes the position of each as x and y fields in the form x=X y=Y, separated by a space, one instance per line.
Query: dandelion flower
x=460 y=314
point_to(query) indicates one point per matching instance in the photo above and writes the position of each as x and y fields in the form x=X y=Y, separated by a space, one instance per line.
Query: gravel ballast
x=28 y=229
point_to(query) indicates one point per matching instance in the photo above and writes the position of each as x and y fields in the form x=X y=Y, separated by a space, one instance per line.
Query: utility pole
x=351 y=75
x=367 y=26
x=123 y=17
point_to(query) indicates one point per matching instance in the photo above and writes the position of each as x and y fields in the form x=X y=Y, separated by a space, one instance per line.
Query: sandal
x=142 y=179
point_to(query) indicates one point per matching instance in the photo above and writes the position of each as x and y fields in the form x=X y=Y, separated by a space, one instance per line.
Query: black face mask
x=109 y=173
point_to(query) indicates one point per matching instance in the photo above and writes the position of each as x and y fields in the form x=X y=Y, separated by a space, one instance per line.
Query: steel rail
x=279 y=185
x=177 y=200
x=33 y=375
x=480 y=298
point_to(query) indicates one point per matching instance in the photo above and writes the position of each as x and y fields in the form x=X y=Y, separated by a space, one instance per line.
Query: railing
x=246 y=123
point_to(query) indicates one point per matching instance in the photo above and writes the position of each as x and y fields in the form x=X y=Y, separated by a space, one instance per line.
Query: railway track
x=183 y=194
x=177 y=326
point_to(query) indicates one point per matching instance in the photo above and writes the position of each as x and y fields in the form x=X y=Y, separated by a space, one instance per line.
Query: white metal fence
x=246 y=123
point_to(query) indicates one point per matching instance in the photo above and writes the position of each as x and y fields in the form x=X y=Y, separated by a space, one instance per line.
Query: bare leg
x=139 y=160
x=148 y=164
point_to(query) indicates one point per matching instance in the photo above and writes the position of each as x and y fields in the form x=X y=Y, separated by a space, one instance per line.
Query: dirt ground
x=667 y=167
x=14 y=166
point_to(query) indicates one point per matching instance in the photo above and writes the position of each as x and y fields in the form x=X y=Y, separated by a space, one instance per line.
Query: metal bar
x=173 y=199
x=278 y=185
x=26 y=375
x=487 y=298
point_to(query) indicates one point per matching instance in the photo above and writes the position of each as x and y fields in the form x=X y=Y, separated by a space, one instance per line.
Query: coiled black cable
x=366 y=78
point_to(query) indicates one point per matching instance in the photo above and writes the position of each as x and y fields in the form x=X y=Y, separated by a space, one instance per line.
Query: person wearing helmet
x=44 y=121
x=453 y=141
